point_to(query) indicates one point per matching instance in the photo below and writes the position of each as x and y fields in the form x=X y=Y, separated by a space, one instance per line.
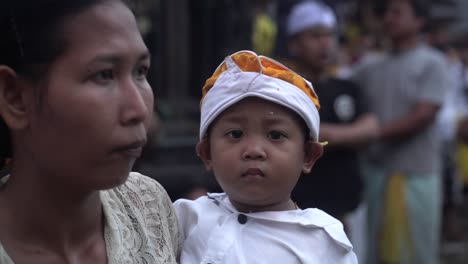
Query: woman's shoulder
x=140 y=208
x=140 y=194
x=141 y=184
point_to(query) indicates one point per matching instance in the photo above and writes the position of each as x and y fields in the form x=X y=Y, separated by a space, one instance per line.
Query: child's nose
x=254 y=151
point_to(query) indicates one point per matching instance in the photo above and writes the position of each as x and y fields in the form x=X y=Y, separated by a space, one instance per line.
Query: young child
x=258 y=134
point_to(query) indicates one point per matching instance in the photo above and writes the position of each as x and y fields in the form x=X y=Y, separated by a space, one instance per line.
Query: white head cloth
x=234 y=84
x=309 y=14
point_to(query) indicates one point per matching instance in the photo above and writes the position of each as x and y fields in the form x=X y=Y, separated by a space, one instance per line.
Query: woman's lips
x=131 y=150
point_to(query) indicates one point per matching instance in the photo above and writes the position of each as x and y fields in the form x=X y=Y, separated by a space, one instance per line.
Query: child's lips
x=252 y=172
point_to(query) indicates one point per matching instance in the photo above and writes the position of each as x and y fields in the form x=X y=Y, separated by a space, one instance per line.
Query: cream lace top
x=141 y=226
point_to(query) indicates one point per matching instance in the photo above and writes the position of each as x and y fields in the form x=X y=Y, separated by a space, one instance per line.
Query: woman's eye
x=275 y=135
x=142 y=72
x=236 y=134
x=104 y=76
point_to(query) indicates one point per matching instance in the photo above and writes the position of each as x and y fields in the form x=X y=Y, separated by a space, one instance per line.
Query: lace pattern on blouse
x=141 y=223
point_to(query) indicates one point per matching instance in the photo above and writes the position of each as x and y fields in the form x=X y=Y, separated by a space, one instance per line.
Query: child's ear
x=313 y=150
x=13 y=99
x=203 y=151
x=293 y=48
x=421 y=23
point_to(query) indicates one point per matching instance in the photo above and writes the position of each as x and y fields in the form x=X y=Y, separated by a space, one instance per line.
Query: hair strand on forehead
x=17 y=35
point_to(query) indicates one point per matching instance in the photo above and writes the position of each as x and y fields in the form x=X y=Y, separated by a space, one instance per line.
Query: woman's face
x=97 y=104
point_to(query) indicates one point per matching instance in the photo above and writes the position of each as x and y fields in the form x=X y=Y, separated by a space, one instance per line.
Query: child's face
x=257 y=151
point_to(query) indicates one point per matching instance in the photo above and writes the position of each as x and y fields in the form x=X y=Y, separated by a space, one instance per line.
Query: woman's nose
x=134 y=109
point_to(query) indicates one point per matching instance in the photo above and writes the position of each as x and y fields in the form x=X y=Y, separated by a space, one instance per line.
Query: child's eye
x=104 y=76
x=236 y=134
x=275 y=135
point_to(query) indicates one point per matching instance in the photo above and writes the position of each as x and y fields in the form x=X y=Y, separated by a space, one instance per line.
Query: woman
x=75 y=107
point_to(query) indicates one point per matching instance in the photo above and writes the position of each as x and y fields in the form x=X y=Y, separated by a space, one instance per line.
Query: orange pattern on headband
x=250 y=62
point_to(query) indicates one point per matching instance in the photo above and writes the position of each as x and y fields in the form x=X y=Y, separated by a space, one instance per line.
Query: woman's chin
x=112 y=179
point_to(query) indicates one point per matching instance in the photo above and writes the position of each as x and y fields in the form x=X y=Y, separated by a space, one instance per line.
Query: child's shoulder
x=317 y=217
x=201 y=206
x=315 y=223
x=201 y=202
x=334 y=229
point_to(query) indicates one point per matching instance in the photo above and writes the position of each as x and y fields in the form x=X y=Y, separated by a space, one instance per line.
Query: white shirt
x=215 y=232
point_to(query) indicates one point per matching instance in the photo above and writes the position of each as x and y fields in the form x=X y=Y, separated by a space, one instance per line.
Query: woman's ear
x=13 y=101
x=203 y=151
x=313 y=150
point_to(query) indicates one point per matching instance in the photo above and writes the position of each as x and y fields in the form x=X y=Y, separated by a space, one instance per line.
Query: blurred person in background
x=462 y=128
x=264 y=29
x=406 y=89
x=345 y=123
x=447 y=121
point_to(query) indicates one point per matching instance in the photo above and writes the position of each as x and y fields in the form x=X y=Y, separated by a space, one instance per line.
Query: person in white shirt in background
x=258 y=134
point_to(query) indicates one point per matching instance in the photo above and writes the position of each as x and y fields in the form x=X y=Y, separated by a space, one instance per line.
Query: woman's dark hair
x=32 y=36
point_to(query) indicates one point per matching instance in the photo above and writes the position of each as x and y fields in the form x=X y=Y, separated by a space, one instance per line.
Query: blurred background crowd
x=188 y=38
